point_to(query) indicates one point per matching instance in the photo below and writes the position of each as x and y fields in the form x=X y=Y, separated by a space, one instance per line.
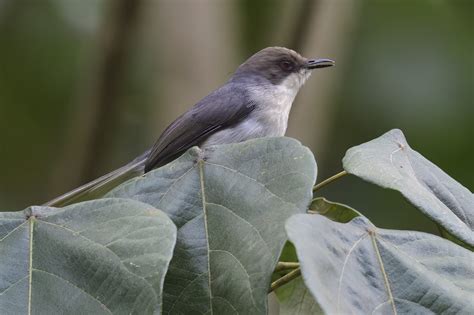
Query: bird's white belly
x=269 y=119
x=247 y=129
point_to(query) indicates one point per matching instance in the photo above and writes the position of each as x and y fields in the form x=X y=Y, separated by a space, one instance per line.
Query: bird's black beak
x=319 y=63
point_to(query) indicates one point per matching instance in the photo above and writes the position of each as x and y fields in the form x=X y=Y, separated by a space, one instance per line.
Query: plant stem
x=285 y=279
x=329 y=180
x=283 y=265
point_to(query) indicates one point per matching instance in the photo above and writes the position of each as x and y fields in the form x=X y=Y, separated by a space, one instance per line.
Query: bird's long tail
x=101 y=185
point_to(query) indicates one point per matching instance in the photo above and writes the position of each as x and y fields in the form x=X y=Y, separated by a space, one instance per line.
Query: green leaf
x=229 y=203
x=294 y=296
x=356 y=268
x=295 y=299
x=333 y=210
x=288 y=254
x=388 y=161
x=97 y=257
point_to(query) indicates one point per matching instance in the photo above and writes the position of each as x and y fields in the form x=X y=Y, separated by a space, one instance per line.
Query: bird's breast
x=268 y=119
x=273 y=109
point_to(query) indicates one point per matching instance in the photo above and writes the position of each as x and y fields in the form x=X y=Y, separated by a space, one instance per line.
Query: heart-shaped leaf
x=294 y=296
x=388 y=161
x=356 y=268
x=97 y=257
x=229 y=203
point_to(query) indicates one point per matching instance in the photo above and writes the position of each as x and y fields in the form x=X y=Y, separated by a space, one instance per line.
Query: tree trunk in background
x=195 y=45
x=328 y=34
x=93 y=122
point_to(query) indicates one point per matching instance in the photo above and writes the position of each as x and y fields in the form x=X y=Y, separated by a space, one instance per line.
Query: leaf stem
x=285 y=279
x=283 y=265
x=329 y=180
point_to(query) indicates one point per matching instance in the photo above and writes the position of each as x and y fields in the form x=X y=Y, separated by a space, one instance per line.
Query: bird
x=255 y=102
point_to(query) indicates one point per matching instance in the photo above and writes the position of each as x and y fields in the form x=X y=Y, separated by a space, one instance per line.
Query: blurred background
x=86 y=85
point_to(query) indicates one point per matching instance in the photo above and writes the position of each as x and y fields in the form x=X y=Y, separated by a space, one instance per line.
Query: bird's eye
x=286 y=65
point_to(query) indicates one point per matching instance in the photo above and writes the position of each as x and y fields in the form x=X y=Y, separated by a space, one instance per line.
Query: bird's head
x=279 y=65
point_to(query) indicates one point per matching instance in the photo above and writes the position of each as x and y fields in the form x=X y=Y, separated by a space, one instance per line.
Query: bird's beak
x=319 y=63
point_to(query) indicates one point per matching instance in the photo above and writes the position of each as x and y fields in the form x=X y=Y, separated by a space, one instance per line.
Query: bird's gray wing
x=220 y=109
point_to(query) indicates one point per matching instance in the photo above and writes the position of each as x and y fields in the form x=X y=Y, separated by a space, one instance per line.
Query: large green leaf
x=229 y=203
x=295 y=299
x=97 y=257
x=356 y=268
x=388 y=161
x=294 y=296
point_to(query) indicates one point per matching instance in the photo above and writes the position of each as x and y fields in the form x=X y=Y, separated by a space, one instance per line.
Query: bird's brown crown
x=273 y=63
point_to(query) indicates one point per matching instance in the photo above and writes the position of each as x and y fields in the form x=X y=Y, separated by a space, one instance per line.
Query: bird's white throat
x=275 y=101
x=270 y=117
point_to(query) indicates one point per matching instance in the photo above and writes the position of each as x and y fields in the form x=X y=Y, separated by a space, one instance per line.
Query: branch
x=285 y=279
x=329 y=180
x=115 y=40
x=283 y=265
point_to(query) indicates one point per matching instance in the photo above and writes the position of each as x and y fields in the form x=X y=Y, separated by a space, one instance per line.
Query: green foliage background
x=404 y=64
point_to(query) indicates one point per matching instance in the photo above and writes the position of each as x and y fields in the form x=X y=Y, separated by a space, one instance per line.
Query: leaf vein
x=339 y=285
x=74 y=285
x=240 y=263
x=12 y=231
x=13 y=284
x=249 y=224
x=252 y=179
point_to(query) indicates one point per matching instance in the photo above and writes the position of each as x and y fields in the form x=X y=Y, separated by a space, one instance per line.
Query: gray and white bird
x=255 y=102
